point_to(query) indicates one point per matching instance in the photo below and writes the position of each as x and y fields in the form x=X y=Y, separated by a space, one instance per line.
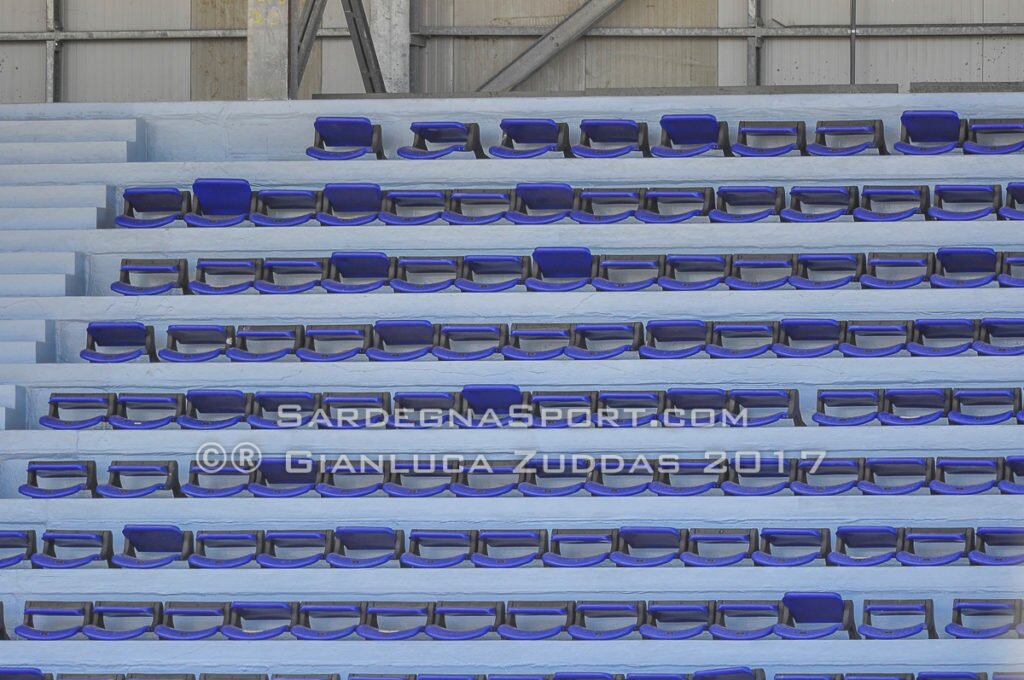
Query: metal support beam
x=53 y=26
x=267 y=50
x=303 y=32
x=853 y=42
x=568 y=31
x=362 y=42
x=754 y=44
x=390 y=28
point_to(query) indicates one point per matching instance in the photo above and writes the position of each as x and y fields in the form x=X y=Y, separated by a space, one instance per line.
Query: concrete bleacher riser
x=62 y=172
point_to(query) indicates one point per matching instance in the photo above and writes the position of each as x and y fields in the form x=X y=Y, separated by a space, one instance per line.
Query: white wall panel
x=22 y=73
x=109 y=71
x=904 y=61
x=113 y=15
x=806 y=61
x=22 y=15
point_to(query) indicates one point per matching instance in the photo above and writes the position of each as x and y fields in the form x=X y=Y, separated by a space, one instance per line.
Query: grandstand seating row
x=491 y=406
x=110 y=342
x=558 y=269
x=228 y=202
x=164 y=545
x=543 y=477
x=796 y=616
x=731 y=673
x=922 y=132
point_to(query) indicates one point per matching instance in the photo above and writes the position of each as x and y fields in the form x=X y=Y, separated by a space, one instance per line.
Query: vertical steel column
x=53 y=25
x=754 y=44
x=303 y=28
x=267 y=49
x=853 y=42
x=362 y=42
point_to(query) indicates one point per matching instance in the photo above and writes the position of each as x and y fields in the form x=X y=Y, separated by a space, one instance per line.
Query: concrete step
x=29 y=153
x=23 y=352
x=54 y=196
x=113 y=130
x=36 y=330
x=38 y=263
x=9 y=415
x=36 y=285
x=49 y=218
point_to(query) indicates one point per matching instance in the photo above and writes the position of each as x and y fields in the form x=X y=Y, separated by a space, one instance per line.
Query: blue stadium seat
x=362 y=547
x=259 y=620
x=345 y=138
x=792 y=547
x=549 y=409
x=741 y=340
x=72 y=549
x=536 y=620
x=1014 y=471
x=1012 y=273
x=443 y=138
x=604 y=341
x=619 y=273
x=294 y=548
x=884 y=203
x=978 y=201
x=215 y=409
x=914 y=406
x=438 y=549
x=845 y=407
x=141 y=479
x=192 y=620
x=818 y=271
x=965 y=267
x=747 y=619
x=327 y=620
x=677 y=620
x=787 y=137
x=123 y=620
x=115 y=342
x=741 y=204
x=502 y=548
x=942 y=337
x=865 y=546
x=395 y=620
x=992 y=136
x=401 y=340
x=358 y=272
x=606 y=206
x=674 y=205
x=541 y=203
x=465 y=621
x=758 y=408
x=611 y=138
x=875 y=338
x=265 y=343
x=146 y=411
x=220 y=202
x=469 y=342
x=892 y=271
x=928 y=547
x=489 y=406
x=599 y=621
x=425 y=274
x=413 y=479
x=151 y=207
x=979 y=406
x=225 y=549
x=75 y=477
x=977 y=619
x=622 y=477
x=687 y=477
x=647 y=546
x=927 y=133
x=832 y=614
x=1000 y=337
x=626 y=408
x=820 y=204
x=695 y=272
x=151 y=546
x=335 y=342
x=420 y=410
x=280 y=276
x=299 y=408
x=694 y=407
x=827 y=476
x=691 y=134
x=355 y=410
x=284 y=207
x=151 y=276
x=22 y=673
x=1014 y=204
x=674 y=339
x=897 y=619
x=58 y=620
x=16 y=546
x=847 y=137
x=807 y=338
x=492 y=273
x=350 y=204
x=532 y=138
x=405 y=208
x=733 y=673
x=761 y=271
x=763 y=476
x=94 y=409
x=285 y=476
x=225 y=277
x=719 y=547
x=998 y=546
x=895 y=476
x=495 y=478
x=561 y=269
x=195 y=343
x=580 y=547
x=476 y=206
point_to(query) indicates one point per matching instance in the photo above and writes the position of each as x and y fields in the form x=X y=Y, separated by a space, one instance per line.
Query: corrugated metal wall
x=164 y=70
